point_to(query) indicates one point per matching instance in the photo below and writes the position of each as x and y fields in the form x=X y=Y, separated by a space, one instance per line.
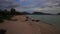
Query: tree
x=13 y=11
x=0 y=10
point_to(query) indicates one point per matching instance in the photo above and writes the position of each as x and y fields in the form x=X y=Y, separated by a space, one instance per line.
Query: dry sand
x=28 y=27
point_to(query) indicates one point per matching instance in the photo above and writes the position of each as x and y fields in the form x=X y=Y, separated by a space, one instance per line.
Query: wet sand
x=28 y=27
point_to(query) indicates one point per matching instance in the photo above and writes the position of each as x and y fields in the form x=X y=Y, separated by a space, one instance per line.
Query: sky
x=47 y=6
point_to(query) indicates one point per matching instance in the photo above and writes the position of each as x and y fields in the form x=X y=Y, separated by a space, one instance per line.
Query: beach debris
x=33 y=20
x=2 y=31
x=27 y=18
x=37 y=20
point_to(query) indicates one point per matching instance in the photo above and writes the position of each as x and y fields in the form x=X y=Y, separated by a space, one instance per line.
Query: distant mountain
x=41 y=13
x=58 y=14
x=25 y=13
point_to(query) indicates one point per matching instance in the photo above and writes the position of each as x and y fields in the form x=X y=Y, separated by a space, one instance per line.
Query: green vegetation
x=7 y=15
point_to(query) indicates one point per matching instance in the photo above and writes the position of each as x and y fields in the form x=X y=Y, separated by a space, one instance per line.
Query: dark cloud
x=39 y=3
x=12 y=6
x=8 y=4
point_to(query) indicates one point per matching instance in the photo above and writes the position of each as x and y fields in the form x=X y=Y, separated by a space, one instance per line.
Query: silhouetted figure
x=2 y=31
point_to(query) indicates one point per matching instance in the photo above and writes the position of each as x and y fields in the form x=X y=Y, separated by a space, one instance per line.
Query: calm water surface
x=52 y=19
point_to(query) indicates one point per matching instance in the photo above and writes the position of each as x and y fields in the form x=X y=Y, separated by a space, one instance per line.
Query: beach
x=20 y=26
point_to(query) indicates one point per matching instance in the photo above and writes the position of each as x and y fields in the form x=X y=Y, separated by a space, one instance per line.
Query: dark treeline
x=7 y=15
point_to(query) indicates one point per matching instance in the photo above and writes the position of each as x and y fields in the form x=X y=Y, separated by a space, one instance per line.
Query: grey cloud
x=52 y=3
x=39 y=3
x=12 y=6
x=8 y=4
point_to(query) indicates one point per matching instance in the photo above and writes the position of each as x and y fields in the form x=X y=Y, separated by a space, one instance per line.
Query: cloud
x=46 y=10
x=39 y=3
x=30 y=3
x=8 y=4
x=50 y=6
x=51 y=3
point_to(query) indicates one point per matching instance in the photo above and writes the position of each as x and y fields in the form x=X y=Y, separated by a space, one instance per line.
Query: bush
x=6 y=15
x=1 y=20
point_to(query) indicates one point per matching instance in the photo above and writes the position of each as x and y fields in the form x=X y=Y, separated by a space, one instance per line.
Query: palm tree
x=13 y=11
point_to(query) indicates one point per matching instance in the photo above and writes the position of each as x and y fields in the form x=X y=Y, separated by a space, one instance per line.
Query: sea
x=51 y=19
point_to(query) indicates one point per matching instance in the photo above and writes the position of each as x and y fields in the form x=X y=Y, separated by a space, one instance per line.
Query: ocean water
x=52 y=19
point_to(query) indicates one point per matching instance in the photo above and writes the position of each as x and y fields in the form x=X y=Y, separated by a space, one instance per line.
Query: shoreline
x=27 y=27
x=39 y=20
x=45 y=22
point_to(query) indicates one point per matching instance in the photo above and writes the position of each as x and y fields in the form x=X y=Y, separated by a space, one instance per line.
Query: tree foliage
x=7 y=15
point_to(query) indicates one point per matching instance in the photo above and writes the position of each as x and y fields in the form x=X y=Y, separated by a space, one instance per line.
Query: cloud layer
x=39 y=3
x=50 y=6
x=8 y=4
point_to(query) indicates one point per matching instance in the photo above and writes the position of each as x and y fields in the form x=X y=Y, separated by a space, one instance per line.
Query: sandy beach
x=28 y=27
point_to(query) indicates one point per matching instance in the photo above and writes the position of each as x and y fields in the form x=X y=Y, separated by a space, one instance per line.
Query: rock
x=26 y=20
x=27 y=17
x=2 y=31
x=33 y=20
x=37 y=20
